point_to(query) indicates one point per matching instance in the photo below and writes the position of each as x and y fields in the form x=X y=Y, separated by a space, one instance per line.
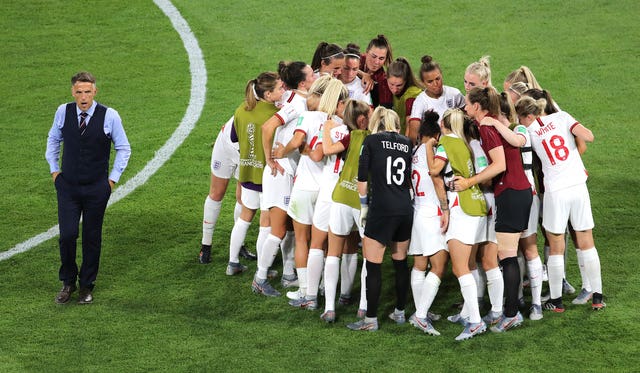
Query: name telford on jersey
x=391 y=145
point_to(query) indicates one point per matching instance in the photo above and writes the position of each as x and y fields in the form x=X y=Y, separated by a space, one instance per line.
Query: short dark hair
x=83 y=76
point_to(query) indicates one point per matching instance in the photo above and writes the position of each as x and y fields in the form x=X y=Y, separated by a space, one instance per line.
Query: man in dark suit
x=83 y=183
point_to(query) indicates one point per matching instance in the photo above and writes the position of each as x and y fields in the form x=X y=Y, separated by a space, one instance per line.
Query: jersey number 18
x=560 y=152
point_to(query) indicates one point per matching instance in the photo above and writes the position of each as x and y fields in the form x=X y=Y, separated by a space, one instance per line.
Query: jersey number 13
x=395 y=170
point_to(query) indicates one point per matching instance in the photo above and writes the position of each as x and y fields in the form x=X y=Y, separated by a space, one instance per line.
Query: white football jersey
x=555 y=145
x=450 y=98
x=423 y=189
x=294 y=106
x=309 y=173
x=333 y=163
x=356 y=91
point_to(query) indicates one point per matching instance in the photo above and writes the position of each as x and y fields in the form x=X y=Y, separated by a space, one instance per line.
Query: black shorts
x=387 y=229
x=512 y=208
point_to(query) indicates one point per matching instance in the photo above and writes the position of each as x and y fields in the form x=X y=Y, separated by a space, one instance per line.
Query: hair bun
x=430 y=117
x=426 y=59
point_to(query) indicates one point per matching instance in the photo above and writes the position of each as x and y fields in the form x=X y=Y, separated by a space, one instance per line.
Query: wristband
x=363 y=200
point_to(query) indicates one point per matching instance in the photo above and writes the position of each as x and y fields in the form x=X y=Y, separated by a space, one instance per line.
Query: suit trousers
x=90 y=202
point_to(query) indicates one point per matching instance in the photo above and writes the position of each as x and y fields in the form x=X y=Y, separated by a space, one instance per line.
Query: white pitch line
x=191 y=116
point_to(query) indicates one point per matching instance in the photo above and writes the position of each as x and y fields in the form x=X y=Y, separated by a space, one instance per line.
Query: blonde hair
x=352 y=111
x=453 y=120
x=529 y=105
x=384 y=119
x=316 y=90
x=519 y=88
x=522 y=75
x=334 y=92
x=482 y=69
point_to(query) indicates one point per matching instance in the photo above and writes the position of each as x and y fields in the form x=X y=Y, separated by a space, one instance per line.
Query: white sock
x=363 y=286
x=464 y=311
x=470 y=295
x=522 y=265
x=430 y=287
x=592 y=268
x=348 y=269
x=286 y=247
x=555 y=270
x=495 y=285
x=210 y=217
x=237 y=210
x=302 y=280
x=314 y=271
x=534 y=267
x=238 y=234
x=417 y=281
x=583 y=273
x=268 y=254
x=263 y=233
x=480 y=284
x=331 y=274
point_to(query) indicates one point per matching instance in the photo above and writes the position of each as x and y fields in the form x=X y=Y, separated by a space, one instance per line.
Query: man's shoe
x=85 y=296
x=555 y=306
x=596 y=303
x=264 y=287
x=305 y=303
x=423 y=324
x=471 y=330
x=371 y=326
x=583 y=297
x=458 y=319
x=567 y=288
x=272 y=273
x=536 y=312
x=205 y=254
x=64 y=295
x=245 y=253
x=329 y=316
x=398 y=316
x=507 y=323
x=492 y=318
x=433 y=316
x=289 y=281
x=235 y=268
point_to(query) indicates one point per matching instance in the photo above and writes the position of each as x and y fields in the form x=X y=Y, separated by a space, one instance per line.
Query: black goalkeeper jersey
x=385 y=162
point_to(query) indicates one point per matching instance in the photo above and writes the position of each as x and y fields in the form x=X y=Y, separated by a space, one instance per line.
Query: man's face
x=83 y=93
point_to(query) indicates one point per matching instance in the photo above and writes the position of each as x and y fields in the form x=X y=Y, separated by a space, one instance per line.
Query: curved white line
x=196 y=104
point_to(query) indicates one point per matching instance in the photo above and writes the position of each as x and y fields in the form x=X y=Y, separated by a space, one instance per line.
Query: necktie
x=83 y=122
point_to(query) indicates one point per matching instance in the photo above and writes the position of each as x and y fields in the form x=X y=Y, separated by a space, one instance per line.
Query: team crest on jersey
x=415 y=159
x=449 y=102
x=217 y=165
x=299 y=121
x=286 y=200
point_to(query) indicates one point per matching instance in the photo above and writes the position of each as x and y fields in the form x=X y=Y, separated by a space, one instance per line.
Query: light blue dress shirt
x=112 y=128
